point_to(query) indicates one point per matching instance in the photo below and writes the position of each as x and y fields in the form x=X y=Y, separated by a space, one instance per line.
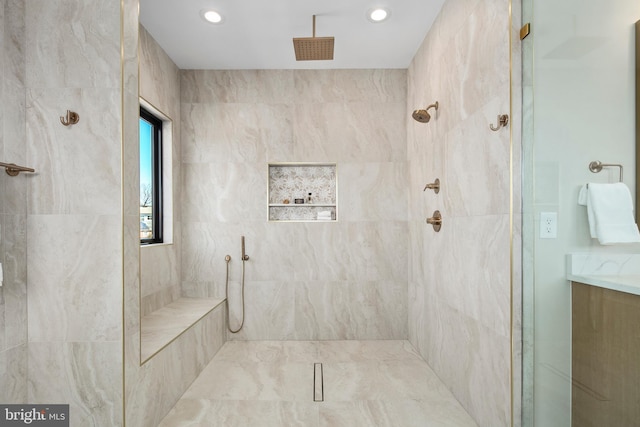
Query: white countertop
x=627 y=284
x=618 y=272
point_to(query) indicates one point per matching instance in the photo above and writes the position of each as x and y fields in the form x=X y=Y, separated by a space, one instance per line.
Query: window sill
x=155 y=245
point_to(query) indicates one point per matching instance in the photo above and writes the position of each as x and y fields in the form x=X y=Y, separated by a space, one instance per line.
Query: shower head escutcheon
x=423 y=116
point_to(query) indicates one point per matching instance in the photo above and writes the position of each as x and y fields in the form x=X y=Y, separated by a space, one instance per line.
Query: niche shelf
x=291 y=181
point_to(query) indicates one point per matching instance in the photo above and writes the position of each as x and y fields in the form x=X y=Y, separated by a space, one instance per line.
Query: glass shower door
x=578 y=107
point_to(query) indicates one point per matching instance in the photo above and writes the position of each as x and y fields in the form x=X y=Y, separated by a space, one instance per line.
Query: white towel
x=582 y=200
x=610 y=213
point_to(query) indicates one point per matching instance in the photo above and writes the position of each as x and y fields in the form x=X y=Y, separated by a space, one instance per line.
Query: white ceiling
x=257 y=34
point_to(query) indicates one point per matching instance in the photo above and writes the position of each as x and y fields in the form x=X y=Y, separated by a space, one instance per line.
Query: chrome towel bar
x=12 y=169
x=596 y=166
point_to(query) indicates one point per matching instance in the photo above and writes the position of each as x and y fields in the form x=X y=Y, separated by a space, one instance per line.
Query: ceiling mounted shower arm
x=314 y=27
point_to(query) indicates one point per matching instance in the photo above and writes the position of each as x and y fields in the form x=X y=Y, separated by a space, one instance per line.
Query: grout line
x=318 y=380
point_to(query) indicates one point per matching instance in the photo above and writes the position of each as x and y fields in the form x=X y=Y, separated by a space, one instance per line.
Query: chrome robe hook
x=72 y=118
x=503 y=121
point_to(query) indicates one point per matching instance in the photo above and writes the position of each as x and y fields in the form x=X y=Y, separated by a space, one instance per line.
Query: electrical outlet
x=548 y=225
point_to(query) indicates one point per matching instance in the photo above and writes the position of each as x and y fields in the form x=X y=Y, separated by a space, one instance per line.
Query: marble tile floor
x=271 y=383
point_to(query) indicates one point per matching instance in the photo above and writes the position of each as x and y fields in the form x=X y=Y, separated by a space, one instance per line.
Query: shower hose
x=228 y=260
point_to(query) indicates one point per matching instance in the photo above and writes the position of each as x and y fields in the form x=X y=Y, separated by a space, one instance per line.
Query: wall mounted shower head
x=423 y=116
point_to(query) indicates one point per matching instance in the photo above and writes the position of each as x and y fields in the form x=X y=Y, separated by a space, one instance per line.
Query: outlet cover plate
x=548 y=225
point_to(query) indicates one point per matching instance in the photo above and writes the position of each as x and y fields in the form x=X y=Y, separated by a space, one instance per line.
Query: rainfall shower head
x=423 y=116
x=313 y=48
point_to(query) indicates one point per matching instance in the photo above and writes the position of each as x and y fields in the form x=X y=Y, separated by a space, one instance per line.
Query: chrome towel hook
x=72 y=118
x=13 y=170
x=503 y=121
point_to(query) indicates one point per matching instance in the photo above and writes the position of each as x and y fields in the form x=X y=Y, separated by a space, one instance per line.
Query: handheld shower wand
x=244 y=258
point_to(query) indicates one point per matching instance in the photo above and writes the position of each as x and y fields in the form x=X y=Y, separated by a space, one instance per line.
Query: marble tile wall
x=74 y=216
x=459 y=278
x=343 y=280
x=153 y=389
x=131 y=175
x=13 y=206
x=160 y=264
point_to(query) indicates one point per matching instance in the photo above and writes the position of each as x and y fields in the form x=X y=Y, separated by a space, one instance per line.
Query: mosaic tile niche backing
x=289 y=183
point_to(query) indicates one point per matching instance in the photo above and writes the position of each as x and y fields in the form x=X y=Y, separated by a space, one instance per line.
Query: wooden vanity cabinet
x=605 y=357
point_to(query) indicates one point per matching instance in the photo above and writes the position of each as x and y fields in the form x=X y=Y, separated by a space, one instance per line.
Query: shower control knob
x=436 y=221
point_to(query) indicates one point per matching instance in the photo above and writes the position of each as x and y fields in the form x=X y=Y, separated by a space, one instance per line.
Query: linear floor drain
x=318 y=383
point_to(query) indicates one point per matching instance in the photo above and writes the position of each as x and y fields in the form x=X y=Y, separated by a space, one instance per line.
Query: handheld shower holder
x=245 y=257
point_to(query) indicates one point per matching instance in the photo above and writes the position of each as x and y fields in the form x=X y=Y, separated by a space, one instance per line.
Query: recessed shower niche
x=305 y=192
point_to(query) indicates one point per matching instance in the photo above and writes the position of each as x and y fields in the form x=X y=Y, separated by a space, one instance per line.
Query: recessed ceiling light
x=378 y=14
x=212 y=16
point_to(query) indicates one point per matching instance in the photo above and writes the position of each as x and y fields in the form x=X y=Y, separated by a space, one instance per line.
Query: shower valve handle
x=435 y=221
